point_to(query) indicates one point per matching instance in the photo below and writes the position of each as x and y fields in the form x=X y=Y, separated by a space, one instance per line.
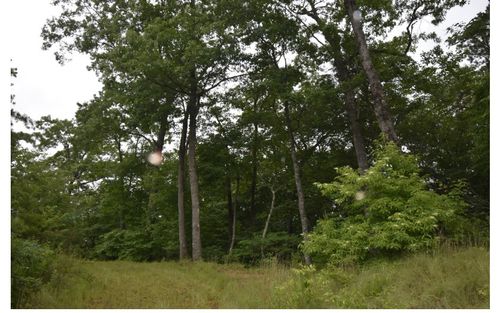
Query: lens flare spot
x=155 y=158
x=356 y=15
x=360 y=195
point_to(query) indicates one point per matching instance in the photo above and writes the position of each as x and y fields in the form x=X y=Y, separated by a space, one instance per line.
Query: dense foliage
x=31 y=267
x=386 y=211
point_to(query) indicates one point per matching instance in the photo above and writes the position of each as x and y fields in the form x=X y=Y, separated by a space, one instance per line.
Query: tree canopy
x=251 y=105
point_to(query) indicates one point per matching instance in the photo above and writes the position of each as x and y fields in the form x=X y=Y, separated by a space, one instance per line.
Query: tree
x=379 y=100
x=191 y=62
x=333 y=46
x=452 y=98
x=280 y=32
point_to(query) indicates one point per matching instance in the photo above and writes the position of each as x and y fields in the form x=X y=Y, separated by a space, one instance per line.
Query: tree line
x=250 y=104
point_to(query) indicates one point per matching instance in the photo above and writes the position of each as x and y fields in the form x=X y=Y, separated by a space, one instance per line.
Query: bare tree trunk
x=183 y=251
x=357 y=137
x=254 y=162
x=229 y=193
x=235 y=208
x=298 y=182
x=121 y=221
x=193 y=175
x=160 y=140
x=379 y=101
x=264 y=232
x=193 y=107
x=254 y=172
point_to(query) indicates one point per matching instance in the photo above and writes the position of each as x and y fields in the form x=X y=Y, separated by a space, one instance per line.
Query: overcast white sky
x=45 y=87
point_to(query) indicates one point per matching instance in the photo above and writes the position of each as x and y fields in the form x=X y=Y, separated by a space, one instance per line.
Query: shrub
x=386 y=211
x=31 y=267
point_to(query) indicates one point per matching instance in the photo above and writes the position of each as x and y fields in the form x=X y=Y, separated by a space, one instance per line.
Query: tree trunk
x=357 y=137
x=121 y=221
x=298 y=182
x=235 y=207
x=160 y=140
x=254 y=162
x=183 y=251
x=379 y=101
x=351 y=106
x=229 y=194
x=254 y=173
x=193 y=175
x=264 y=232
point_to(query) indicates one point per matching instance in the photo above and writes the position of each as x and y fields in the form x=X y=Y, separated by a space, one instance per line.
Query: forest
x=313 y=151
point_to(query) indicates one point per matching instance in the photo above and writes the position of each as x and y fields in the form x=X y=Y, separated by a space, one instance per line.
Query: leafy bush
x=31 y=267
x=386 y=211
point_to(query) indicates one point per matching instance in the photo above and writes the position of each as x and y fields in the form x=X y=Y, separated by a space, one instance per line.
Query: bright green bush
x=31 y=267
x=386 y=211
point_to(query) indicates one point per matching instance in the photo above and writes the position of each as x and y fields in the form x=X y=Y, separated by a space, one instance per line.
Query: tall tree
x=183 y=252
x=304 y=221
x=341 y=61
x=380 y=105
x=143 y=41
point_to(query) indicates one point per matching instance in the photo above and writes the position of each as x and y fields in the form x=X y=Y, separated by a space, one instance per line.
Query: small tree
x=386 y=211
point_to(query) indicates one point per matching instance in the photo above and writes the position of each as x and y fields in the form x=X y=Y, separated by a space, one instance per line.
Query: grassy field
x=449 y=279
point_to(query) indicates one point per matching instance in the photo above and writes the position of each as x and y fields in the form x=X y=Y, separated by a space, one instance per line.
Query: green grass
x=447 y=279
x=451 y=278
x=122 y=284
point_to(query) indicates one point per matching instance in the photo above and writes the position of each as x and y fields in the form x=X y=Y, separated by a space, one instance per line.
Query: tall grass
x=451 y=278
x=123 y=284
x=456 y=280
